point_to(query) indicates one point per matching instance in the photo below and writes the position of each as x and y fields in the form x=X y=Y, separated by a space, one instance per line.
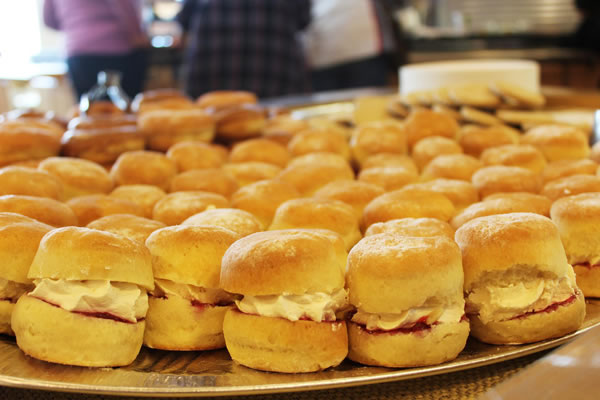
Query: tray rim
x=392 y=375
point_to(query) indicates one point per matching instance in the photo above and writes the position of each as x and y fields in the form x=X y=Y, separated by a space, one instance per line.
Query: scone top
x=189 y=254
x=499 y=242
x=389 y=273
x=74 y=253
x=292 y=261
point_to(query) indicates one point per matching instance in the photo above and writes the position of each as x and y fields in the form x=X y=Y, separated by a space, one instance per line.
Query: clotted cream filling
x=164 y=287
x=318 y=306
x=406 y=319
x=11 y=290
x=499 y=303
x=124 y=300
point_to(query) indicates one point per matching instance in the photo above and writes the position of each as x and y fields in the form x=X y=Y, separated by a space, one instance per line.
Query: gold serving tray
x=165 y=374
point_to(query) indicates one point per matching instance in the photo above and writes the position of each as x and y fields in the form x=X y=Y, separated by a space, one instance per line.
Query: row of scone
x=289 y=300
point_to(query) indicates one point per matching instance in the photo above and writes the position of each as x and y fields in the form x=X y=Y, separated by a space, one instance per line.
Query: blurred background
x=34 y=74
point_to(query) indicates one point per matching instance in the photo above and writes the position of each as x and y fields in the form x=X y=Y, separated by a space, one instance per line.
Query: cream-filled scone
x=187 y=306
x=408 y=294
x=89 y=304
x=292 y=283
x=22 y=233
x=578 y=220
x=519 y=287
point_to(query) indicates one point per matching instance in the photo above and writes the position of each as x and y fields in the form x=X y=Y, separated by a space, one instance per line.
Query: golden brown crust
x=279 y=345
x=587 y=280
x=252 y=171
x=29 y=182
x=163 y=128
x=159 y=98
x=571 y=185
x=219 y=99
x=78 y=176
x=262 y=150
x=498 y=242
x=504 y=203
x=558 y=142
x=239 y=221
x=439 y=344
x=515 y=155
x=461 y=193
x=423 y=123
x=318 y=213
x=390 y=160
x=430 y=147
x=143 y=196
x=452 y=166
x=91 y=207
x=379 y=264
x=533 y=328
x=388 y=178
x=213 y=180
x=19 y=240
x=419 y=227
x=196 y=155
x=475 y=139
x=408 y=203
x=240 y=122
x=293 y=261
x=173 y=323
x=21 y=143
x=282 y=128
x=48 y=211
x=356 y=194
x=130 y=226
x=174 y=208
x=503 y=179
x=190 y=254
x=6 y=309
x=319 y=140
x=312 y=171
x=74 y=253
x=146 y=167
x=262 y=198
x=103 y=146
x=564 y=168
x=52 y=334
x=377 y=137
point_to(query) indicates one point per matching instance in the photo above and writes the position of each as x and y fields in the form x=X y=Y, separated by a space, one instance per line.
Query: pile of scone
x=292 y=243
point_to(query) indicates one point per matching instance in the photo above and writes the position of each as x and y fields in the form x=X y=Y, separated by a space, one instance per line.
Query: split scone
x=187 y=306
x=408 y=294
x=292 y=283
x=519 y=286
x=89 y=303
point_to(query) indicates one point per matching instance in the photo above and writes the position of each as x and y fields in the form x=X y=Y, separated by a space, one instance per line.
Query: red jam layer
x=303 y=318
x=420 y=326
x=550 y=308
x=102 y=315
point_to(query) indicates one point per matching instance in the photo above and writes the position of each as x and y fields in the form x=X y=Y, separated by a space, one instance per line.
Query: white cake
x=434 y=75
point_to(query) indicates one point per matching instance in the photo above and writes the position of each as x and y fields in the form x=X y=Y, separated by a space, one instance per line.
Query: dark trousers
x=367 y=72
x=84 y=68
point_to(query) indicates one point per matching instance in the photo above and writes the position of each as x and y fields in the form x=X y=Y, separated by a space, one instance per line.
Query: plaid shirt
x=245 y=45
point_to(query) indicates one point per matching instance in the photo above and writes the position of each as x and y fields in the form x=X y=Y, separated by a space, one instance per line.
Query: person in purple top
x=245 y=45
x=101 y=35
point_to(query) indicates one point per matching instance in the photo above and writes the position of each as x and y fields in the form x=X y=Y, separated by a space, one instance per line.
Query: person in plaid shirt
x=248 y=45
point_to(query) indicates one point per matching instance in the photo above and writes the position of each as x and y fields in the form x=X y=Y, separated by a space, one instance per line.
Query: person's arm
x=50 y=18
x=185 y=14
